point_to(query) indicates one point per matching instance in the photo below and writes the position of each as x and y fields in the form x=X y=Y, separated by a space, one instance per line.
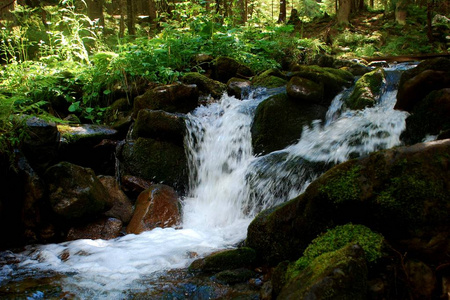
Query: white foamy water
x=228 y=186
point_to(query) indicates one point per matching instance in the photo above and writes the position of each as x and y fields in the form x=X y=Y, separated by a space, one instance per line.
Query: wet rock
x=367 y=90
x=403 y=193
x=181 y=98
x=122 y=208
x=238 y=87
x=422 y=279
x=160 y=125
x=415 y=84
x=429 y=117
x=105 y=229
x=134 y=185
x=271 y=78
x=75 y=192
x=156 y=207
x=357 y=67
x=226 y=68
x=206 y=86
x=304 y=90
x=233 y=276
x=279 y=122
x=337 y=275
x=156 y=161
x=225 y=260
x=41 y=143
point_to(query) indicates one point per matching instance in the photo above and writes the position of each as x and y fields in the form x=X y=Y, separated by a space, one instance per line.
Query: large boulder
x=279 y=122
x=403 y=193
x=431 y=116
x=225 y=260
x=225 y=68
x=156 y=207
x=238 y=87
x=104 y=228
x=367 y=90
x=271 y=78
x=415 y=84
x=160 y=125
x=304 y=90
x=75 y=192
x=206 y=85
x=154 y=160
x=176 y=97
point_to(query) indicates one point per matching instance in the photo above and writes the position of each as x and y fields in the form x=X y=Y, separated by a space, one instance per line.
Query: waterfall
x=228 y=186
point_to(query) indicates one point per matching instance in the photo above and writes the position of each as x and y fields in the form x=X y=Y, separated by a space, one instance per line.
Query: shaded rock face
x=339 y=275
x=225 y=260
x=225 y=68
x=134 y=185
x=279 y=122
x=106 y=229
x=156 y=207
x=75 y=192
x=271 y=78
x=415 y=84
x=304 y=90
x=122 y=208
x=181 y=98
x=206 y=86
x=160 y=125
x=238 y=87
x=403 y=193
x=156 y=161
x=429 y=117
x=42 y=142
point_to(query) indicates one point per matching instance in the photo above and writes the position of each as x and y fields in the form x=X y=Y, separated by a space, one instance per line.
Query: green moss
x=334 y=240
x=344 y=187
x=205 y=84
x=271 y=78
x=367 y=90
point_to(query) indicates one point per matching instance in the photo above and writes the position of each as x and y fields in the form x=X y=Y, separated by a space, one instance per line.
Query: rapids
x=226 y=191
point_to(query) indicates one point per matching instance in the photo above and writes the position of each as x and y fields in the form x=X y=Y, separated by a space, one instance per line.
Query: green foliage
x=337 y=238
x=344 y=187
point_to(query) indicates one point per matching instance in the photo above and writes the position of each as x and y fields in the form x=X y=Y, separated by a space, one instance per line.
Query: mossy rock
x=333 y=80
x=206 y=86
x=234 y=276
x=225 y=260
x=305 y=91
x=271 y=78
x=279 y=122
x=402 y=193
x=367 y=90
x=341 y=274
x=160 y=125
x=157 y=161
x=429 y=117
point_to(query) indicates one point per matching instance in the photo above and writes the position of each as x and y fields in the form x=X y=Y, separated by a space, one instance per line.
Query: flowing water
x=228 y=186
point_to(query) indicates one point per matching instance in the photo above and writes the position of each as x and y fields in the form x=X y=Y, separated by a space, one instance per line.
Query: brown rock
x=106 y=229
x=134 y=184
x=122 y=208
x=157 y=206
x=421 y=277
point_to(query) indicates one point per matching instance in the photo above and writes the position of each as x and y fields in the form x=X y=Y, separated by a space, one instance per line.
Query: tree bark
x=400 y=12
x=344 y=11
x=130 y=18
x=282 y=15
x=95 y=11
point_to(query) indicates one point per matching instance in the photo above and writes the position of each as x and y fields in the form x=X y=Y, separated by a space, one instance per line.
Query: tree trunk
x=130 y=18
x=122 y=18
x=241 y=17
x=400 y=12
x=152 y=11
x=282 y=15
x=95 y=11
x=344 y=11
x=429 y=17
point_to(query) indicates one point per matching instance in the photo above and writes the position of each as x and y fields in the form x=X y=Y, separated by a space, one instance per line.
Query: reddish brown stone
x=106 y=229
x=122 y=208
x=134 y=184
x=157 y=206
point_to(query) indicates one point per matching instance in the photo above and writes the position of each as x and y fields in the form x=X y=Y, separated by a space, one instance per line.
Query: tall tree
x=95 y=11
x=241 y=16
x=400 y=11
x=130 y=18
x=343 y=12
x=282 y=15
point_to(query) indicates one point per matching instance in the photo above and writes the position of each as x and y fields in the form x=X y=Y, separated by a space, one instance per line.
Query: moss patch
x=367 y=90
x=344 y=187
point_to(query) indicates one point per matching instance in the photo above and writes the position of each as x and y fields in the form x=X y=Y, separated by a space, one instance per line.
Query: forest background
x=77 y=52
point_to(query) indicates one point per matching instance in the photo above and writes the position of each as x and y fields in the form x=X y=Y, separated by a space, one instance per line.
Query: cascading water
x=228 y=186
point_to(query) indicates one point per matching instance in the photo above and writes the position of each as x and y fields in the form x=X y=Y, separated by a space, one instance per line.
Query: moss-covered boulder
x=160 y=125
x=341 y=274
x=75 y=192
x=403 y=193
x=367 y=90
x=271 y=78
x=279 y=122
x=357 y=67
x=333 y=80
x=304 y=90
x=431 y=116
x=415 y=84
x=154 y=160
x=225 y=260
x=206 y=85
x=172 y=98
x=225 y=68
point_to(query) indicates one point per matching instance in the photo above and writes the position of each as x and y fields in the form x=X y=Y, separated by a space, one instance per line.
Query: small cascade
x=228 y=186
